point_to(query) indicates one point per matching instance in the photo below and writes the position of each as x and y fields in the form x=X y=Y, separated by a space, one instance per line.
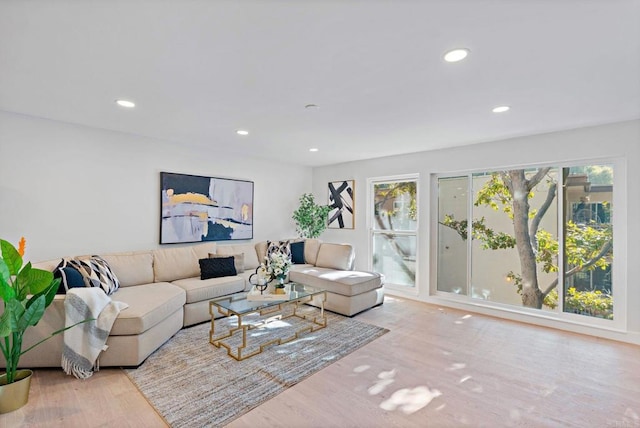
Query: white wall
x=76 y=190
x=619 y=141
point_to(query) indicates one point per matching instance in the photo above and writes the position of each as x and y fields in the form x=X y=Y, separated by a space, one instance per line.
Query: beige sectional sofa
x=165 y=293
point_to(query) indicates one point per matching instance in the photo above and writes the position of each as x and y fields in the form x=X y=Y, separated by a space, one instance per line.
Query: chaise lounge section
x=330 y=267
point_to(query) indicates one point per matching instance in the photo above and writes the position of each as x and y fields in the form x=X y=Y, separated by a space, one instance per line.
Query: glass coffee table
x=278 y=307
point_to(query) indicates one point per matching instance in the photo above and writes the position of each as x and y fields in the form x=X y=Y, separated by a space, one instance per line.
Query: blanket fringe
x=72 y=368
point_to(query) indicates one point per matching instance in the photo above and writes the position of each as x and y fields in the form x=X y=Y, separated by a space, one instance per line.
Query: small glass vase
x=279 y=284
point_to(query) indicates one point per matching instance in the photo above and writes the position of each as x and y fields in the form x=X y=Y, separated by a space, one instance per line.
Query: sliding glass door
x=539 y=238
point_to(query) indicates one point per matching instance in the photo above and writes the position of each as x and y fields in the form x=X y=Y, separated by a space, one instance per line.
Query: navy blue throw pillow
x=69 y=278
x=297 y=252
x=216 y=268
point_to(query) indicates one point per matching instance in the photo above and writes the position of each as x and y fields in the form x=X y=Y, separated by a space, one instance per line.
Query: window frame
x=371 y=231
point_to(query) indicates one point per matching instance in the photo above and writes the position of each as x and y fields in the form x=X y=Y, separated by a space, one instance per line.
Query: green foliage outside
x=593 y=303
x=598 y=174
x=587 y=247
x=310 y=218
x=390 y=191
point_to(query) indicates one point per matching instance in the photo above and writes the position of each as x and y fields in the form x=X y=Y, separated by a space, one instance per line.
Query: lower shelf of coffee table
x=279 y=312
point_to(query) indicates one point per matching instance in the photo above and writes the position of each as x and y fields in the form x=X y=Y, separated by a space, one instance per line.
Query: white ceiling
x=200 y=69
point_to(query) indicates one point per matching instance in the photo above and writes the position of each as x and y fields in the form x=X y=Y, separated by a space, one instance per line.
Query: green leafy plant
x=26 y=293
x=310 y=218
x=593 y=303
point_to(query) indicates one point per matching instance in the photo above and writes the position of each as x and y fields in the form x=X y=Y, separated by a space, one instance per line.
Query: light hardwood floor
x=437 y=367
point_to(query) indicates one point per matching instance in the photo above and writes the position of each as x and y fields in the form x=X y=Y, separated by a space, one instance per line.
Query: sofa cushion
x=199 y=290
x=300 y=268
x=249 y=251
x=170 y=264
x=311 y=247
x=49 y=265
x=344 y=282
x=217 y=267
x=133 y=268
x=238 y=260
x=202 y=250
x=261 y=250
x=335 y=256
x=297 y=252
x=149 y=304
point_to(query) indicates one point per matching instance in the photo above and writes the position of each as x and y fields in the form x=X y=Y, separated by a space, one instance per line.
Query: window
x=394 y=229
x=588 y=234
x=535 y=234
x=453 y=204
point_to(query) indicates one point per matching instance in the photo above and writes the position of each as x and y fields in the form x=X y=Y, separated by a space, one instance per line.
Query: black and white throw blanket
x=83 y=343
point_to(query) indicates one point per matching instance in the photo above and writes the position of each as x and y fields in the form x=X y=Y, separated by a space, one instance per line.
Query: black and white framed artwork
x=341 y=201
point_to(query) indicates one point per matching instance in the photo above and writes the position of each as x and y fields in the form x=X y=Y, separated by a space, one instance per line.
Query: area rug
x=192 y=383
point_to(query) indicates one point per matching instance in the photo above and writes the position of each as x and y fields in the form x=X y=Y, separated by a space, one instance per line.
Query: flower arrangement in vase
x=275 y=267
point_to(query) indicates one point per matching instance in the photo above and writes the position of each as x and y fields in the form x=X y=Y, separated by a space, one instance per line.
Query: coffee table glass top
x=238 y=304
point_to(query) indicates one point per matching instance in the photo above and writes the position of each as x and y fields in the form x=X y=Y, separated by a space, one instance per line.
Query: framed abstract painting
x=341 y=201
x=195 y=208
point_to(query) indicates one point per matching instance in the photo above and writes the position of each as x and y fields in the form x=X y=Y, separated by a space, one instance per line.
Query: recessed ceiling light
x=456 y=55
x=242 y=132
x=125 y=103
x=313 y=150
x=500 y=109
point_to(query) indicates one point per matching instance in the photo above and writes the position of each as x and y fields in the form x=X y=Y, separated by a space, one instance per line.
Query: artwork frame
x=341 y=200
x=195 y=208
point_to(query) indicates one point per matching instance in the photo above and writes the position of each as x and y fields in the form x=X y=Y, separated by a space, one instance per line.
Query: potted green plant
x=26 y=293
x=310 y=218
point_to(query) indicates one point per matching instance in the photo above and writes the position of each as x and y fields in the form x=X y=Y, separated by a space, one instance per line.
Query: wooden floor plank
x=438 y=367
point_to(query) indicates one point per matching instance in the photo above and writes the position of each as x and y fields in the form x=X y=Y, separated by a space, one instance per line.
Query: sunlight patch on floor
x=456 y=366
x=464 y=379
x=409 y=401
x=406 y=400
x=460 y=321
x=384 y=380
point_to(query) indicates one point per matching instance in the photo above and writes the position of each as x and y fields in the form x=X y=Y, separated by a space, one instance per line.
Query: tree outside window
x=514 y=226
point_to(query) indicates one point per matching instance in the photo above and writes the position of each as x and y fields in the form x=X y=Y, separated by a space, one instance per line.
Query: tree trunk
x=531 y=294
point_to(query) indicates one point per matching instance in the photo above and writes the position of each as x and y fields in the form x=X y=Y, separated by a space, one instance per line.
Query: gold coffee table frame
x=264 y=308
